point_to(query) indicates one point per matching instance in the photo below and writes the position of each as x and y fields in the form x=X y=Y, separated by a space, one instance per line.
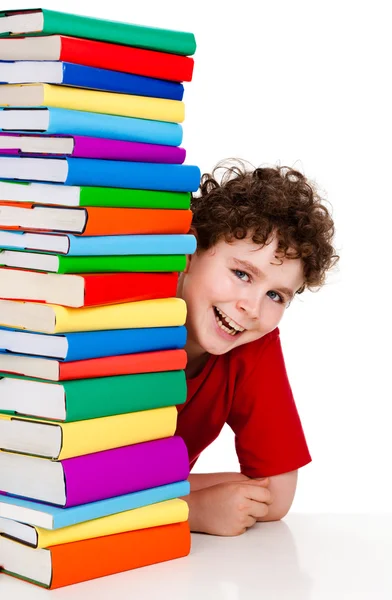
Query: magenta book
x=89 y=147
x=93 y=477
x=124 y=470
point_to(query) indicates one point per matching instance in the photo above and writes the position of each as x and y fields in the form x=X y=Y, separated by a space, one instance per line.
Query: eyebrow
x=248 y=266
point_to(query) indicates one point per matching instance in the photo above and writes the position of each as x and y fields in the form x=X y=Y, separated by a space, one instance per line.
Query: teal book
x=41 y=21
x=82 y=399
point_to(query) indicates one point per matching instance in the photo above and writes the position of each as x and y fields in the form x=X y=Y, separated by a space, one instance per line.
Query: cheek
x=272 y=314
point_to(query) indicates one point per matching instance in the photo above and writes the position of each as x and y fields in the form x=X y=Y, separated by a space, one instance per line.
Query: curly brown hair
x=260 y=202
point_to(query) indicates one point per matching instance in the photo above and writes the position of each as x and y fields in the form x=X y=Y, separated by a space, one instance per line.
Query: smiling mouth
x=226 y=323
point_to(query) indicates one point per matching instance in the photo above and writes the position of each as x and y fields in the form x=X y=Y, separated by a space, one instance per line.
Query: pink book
x=79 y=146
x=97 y=476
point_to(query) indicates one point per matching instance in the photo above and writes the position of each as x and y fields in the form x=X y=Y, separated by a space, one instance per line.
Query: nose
x=250 y=304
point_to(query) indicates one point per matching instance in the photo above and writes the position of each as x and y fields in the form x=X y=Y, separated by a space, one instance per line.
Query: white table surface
x=303 y=557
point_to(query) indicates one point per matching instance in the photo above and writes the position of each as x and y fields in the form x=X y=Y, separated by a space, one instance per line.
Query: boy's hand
x=229 y=508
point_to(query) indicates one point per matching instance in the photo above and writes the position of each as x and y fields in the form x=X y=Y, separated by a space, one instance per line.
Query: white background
x=307 y=84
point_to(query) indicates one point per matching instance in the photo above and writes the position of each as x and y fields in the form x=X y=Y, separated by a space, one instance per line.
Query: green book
x=58 y=263
x=82 y=399
x=70 y=195
x=40 y=21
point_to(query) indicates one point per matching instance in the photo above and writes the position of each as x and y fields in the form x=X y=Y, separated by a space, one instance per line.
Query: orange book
x=58 y=566
x=93 y=220
x=106 y=366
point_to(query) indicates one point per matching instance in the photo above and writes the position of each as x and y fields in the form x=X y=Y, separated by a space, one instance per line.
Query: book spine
x=122 y=264
x=126 y=59
x=128 y=287
x=147 y=176
x=165 y=40
x=124 y=470
x=108 y=396
x=89 y=147
x=88 y=559
x=125 y=105
x=125 y=83
x=128 y=364
x=139 y=221
x=148 y=313
x=96 y=344
x=118 y=245
x=133 y=198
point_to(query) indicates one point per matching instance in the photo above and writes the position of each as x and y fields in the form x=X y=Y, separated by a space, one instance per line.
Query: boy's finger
x=258 y=493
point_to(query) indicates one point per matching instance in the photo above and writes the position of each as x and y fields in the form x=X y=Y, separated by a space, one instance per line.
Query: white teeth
x=224 y=327
x=232 y=323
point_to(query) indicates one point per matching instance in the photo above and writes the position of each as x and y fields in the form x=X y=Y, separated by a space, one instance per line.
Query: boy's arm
x=199 y=481
x=282 y=488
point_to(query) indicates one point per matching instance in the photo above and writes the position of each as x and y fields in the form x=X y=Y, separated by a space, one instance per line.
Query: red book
x=106 y=366
x=92 y=289
x=103 y=55
x=93 y=220
x=57 y=566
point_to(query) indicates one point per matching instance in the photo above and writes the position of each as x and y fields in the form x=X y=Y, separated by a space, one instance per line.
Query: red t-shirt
x=247 y=388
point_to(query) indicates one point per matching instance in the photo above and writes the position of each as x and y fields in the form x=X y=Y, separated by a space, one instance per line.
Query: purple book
x=97 y=476
x=79 y=146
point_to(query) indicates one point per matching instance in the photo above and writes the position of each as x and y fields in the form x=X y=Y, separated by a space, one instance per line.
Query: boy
x=263 y=236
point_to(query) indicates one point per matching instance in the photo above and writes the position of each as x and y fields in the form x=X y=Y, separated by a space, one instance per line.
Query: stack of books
x=94 y=222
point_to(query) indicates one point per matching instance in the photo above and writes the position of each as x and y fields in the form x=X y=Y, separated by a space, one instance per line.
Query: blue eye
x=240 y=274
x=277 y=297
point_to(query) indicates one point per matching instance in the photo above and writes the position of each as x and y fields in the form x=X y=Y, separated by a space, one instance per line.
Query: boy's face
x=236 y=293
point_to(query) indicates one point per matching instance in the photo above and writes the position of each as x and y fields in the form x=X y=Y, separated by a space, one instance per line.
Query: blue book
x=54 y=121
x=52 y=517
x=100 y=245
x=104 y=173
x=65 y=73
x=92 y=344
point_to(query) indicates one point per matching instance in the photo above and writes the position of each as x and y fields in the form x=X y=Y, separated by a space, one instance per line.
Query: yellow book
x=53 y=318
x=153 y=515
x=109 y=103
x=58 y=441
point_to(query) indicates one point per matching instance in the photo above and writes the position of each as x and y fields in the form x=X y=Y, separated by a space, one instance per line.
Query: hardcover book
x=152 y=515
x=97 y=172
x=60 y=264
x=91 y=289
x=53 y=121
x=102 y=396
x=71 y=74
x=67 y=564
x=100 y=245
x=93 y=220
x=17 y=144
x=59 y=441
x=42 y=21
x=53 y=517
x=97 y=476
x=90 y=53
x=73 y=195
x=107 y=366
x=53 y=318
x=86 y=345
x=109 y=103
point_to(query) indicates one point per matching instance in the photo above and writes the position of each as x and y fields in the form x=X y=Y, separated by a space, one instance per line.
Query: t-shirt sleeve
x=268 y=432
